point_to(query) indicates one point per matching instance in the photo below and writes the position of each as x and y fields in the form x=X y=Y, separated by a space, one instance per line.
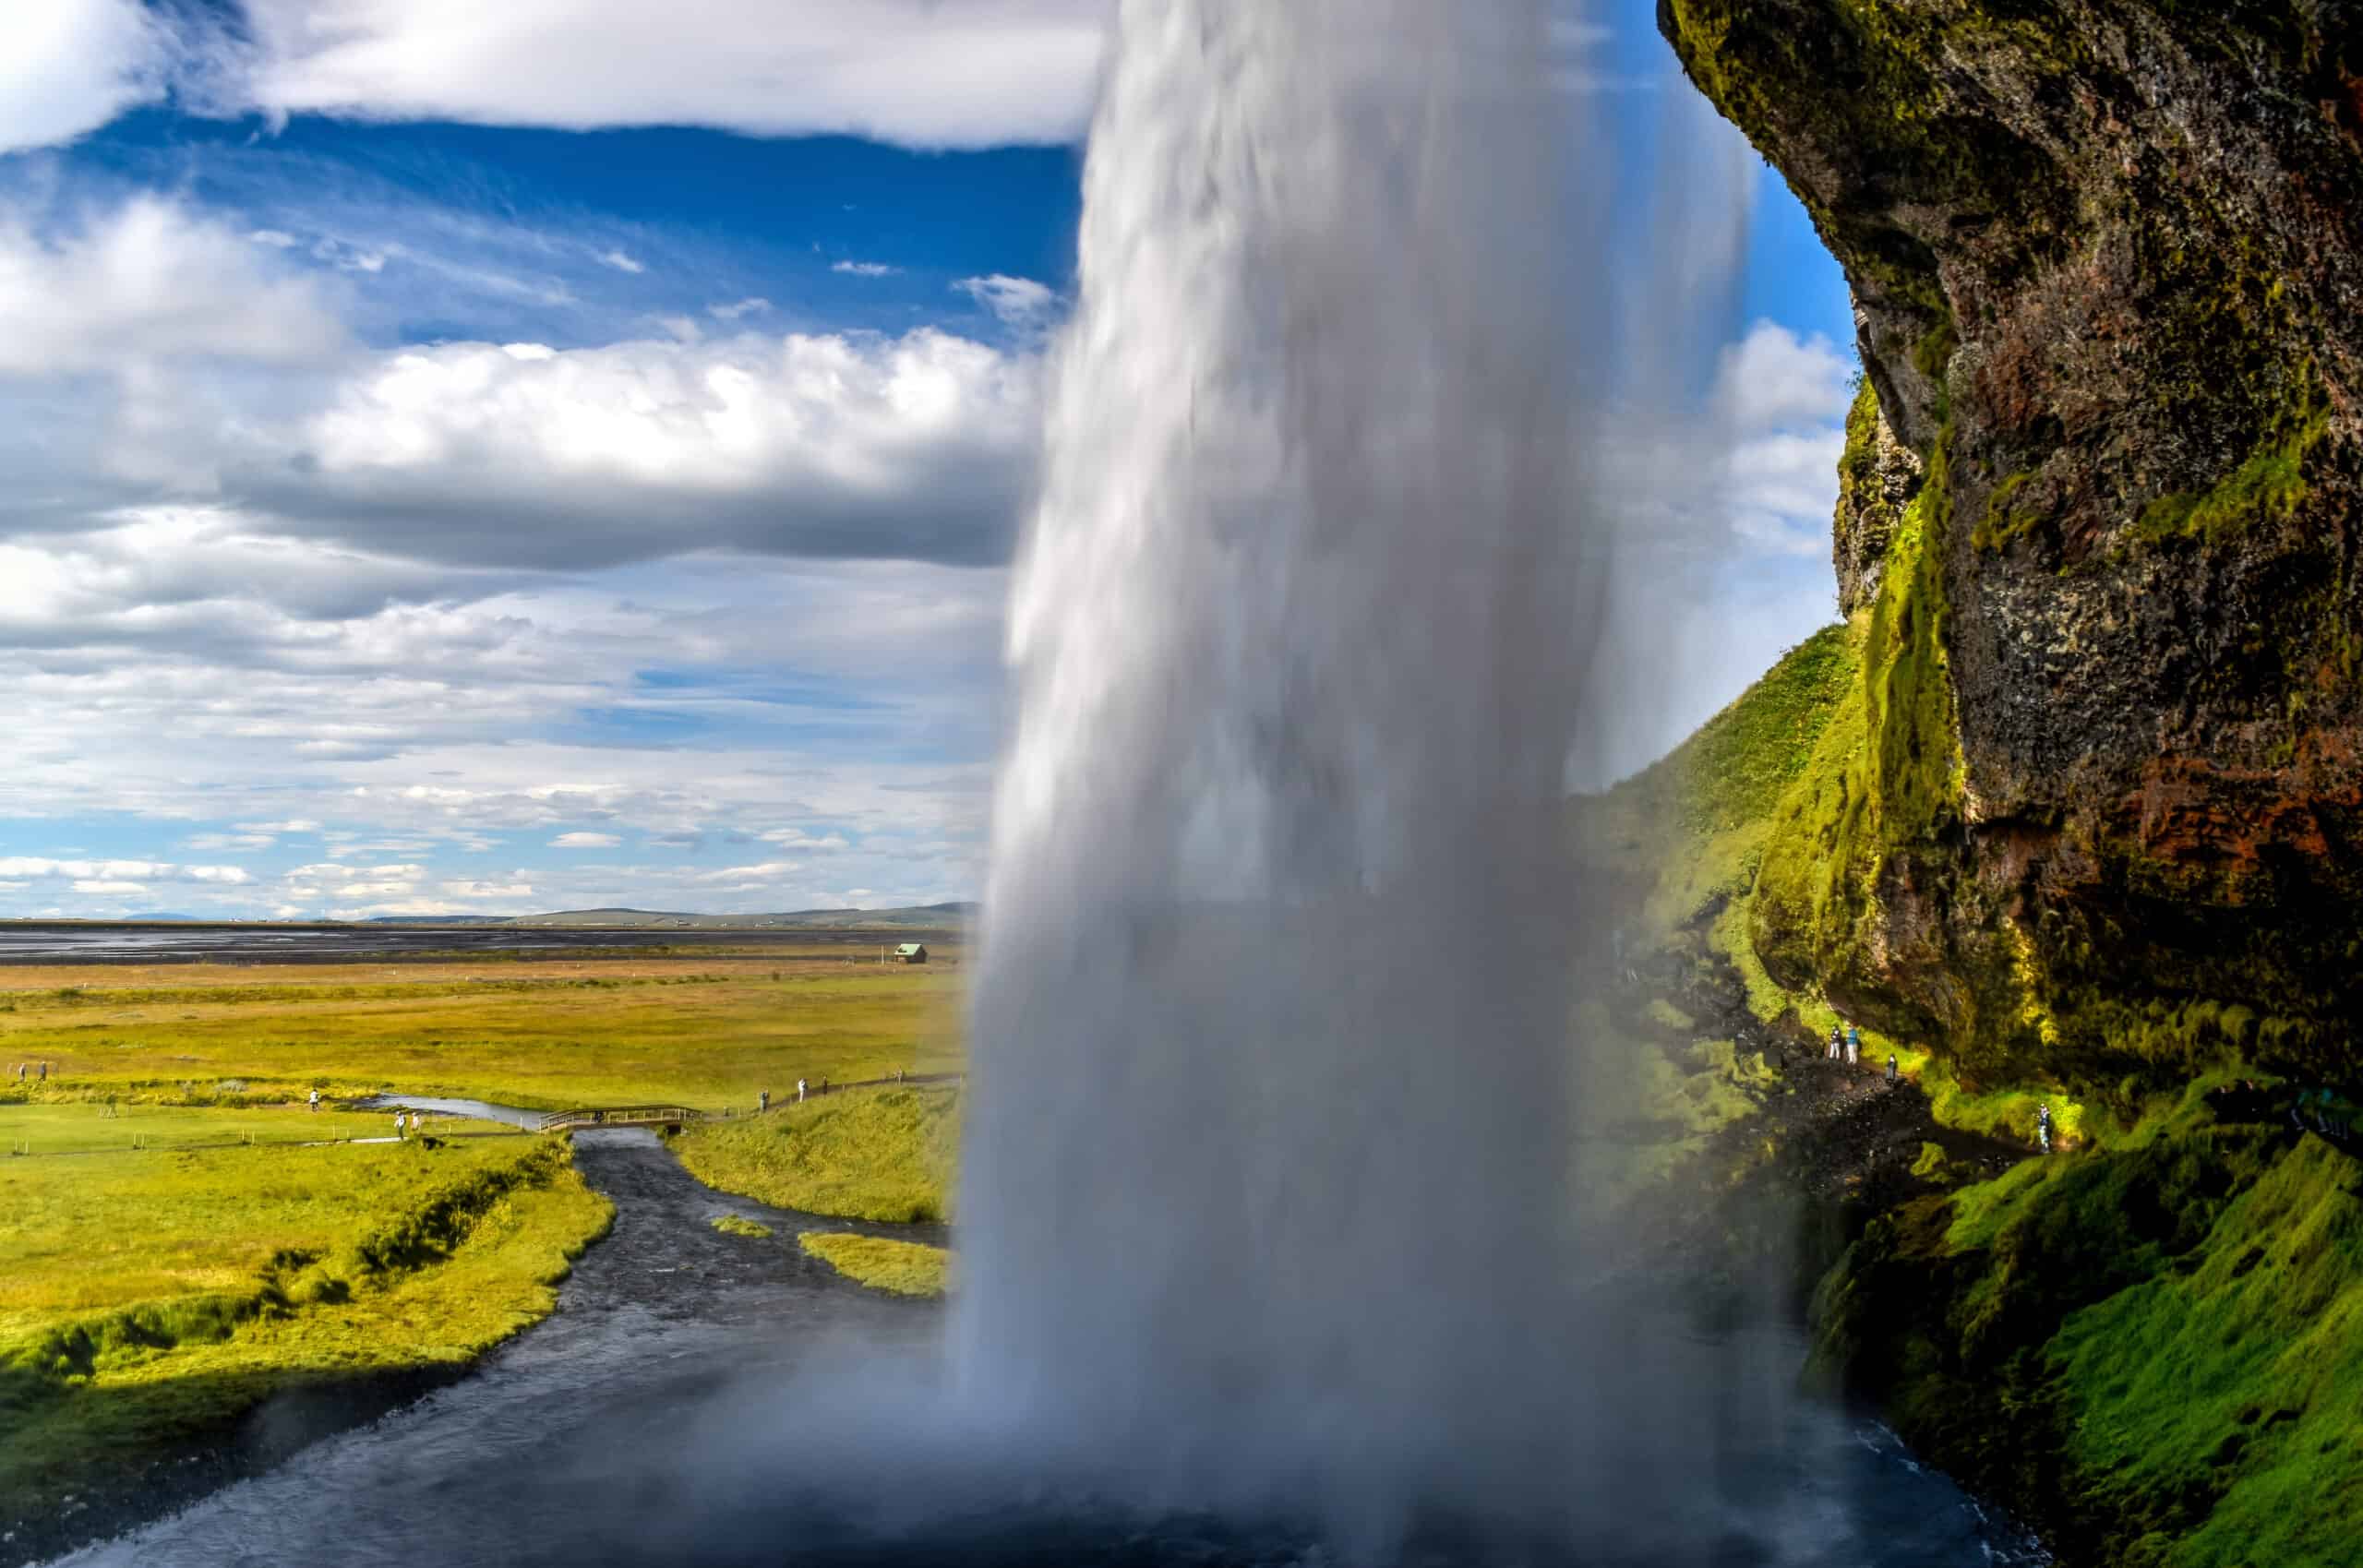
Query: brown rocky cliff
x=2107 y=258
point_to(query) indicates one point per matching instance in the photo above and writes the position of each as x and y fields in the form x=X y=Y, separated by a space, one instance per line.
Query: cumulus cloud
x=585 y=841
x=1774 y=380
x=1020 y=303
x=147 y=282
x=835 y=445
x=920 y=72
x=1785 y=399
x=68 y=67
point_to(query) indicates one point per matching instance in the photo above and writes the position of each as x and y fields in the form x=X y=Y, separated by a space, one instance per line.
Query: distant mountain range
x=929 y=916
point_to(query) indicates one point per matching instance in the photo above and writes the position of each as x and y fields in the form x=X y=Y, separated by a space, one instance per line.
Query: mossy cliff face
x=2097 y=812
x=1878 y=478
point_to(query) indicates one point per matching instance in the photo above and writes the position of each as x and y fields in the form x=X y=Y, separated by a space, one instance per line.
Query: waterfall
x=1270 y=1192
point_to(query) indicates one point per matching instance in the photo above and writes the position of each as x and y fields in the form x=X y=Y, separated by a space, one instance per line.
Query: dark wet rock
x=2107 y=256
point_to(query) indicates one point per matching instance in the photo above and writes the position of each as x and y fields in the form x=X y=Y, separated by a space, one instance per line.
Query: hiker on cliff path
x=1854 y=1046
x=800 y=1090
x=1891 y=1073
x=1836 y=1044
x=2042 y=1127
x=764 y=1101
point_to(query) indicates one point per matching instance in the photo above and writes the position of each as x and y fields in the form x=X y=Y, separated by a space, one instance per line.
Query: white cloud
x=149 y=282
x=796 y=838
x=619 y=261
x=920 y=72
x=135 y=890
x=470 y=889
x=1783 y=401
x=1018 y=302
x=738 y=308
x=68 y=67
x=866 y=269
x=1773 y=379
x=35 y=868
x=844 y=446
x=770 y=871
x=585 y=841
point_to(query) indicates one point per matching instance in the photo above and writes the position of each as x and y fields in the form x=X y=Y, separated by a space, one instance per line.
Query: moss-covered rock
x=2102 y=785
x=1879 y=477
x=2150 y=1348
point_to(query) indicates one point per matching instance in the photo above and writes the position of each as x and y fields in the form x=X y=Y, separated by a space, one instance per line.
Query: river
x=708 y=1400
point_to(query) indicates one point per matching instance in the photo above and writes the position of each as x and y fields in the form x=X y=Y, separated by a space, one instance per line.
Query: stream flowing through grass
x=708 y=1399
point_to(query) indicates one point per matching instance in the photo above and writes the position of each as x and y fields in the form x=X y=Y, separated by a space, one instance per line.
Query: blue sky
x=491 y=459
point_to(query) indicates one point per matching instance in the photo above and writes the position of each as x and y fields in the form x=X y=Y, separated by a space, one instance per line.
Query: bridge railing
x=645 y=1116
x=618 y=1116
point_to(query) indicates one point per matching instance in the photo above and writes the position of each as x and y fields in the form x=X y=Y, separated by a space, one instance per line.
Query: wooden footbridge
x=671 y=1118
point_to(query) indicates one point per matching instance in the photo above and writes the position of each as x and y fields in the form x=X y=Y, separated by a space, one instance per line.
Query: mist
x=1274 y=1191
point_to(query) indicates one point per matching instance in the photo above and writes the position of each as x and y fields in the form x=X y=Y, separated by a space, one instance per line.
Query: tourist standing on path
x=1836 y=1044
x=1891 y=1073
x=1854 y=1046
x=44 y=1072
x=2042 y=1127
x=316 y=1102
x=763 y=1100
x=398 y=1124
x=800 y=1090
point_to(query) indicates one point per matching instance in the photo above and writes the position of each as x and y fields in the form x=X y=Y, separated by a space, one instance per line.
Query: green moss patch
x=2157 y=1348
x=735 y=1224
x=2267 y=487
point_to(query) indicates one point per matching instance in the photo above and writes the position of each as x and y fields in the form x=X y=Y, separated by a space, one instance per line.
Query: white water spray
x=1269 y=1192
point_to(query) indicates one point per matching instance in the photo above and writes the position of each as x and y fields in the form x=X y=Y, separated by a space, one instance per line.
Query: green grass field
x=886 y=1155
x=545 y=1037
x=903 y=1268
x=171 y=1254
x=146 y=1298
x=75 y=1126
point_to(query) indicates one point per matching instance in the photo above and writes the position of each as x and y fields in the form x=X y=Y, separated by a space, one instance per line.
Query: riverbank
x=247 y=1294
x=888 y=1155
x=552 y=1430
x=701 y=1396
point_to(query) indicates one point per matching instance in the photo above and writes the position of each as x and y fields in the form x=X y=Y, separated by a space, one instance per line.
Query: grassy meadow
x=84 y=1127
x=180 y=1238
x=711 y=1033
x=887 y=1153
x=146 y=1299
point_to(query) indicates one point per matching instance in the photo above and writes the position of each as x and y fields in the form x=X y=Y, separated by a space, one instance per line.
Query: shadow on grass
x=129 y=1452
